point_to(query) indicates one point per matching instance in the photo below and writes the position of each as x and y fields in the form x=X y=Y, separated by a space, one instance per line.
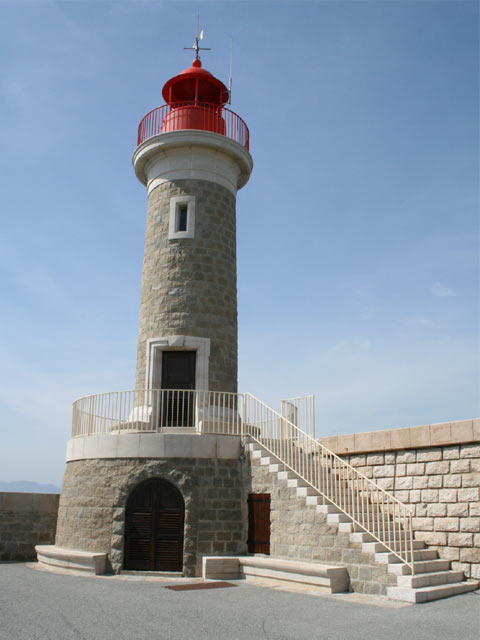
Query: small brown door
x=154 y=527
x=178 y=373
x=259 y=523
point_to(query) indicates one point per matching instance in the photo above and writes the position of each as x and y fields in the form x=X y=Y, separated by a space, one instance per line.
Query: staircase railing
x=371 y=508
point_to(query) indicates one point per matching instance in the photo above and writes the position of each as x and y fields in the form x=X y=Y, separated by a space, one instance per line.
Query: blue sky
x=357 y=233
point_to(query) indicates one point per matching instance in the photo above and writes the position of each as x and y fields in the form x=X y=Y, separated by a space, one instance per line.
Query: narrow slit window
x=181 y=218
x=182 y=214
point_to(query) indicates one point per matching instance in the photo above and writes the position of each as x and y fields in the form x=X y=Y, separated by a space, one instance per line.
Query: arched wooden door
x=154 y=527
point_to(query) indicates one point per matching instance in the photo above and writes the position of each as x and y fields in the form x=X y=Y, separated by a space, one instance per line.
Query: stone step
x=286 y=475
x=256 y=454
x=326 y=508
x=338 y=517
x=267 y=460
x=332 y=579
x=420 y=580
x=306 y=491
x=296 y=482
x=50 y=556
x=428 y=594
x=418 y=556
x=275 y=468
x=427 y=566
x=378 y=547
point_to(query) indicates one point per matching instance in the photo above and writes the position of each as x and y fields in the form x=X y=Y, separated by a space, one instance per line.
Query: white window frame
x=176 y=203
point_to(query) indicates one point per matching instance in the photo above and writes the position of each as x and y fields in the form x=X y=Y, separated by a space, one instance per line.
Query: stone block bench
x=332 y=578
x=51 y=557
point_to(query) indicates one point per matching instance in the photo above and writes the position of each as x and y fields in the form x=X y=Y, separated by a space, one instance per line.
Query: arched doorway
x=155 y=516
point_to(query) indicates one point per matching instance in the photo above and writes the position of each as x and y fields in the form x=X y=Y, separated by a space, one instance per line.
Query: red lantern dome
x=195 y=85
x=196 y=99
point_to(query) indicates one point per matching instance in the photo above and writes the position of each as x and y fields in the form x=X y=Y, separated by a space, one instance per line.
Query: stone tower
x=155 y=477
x=192 y=156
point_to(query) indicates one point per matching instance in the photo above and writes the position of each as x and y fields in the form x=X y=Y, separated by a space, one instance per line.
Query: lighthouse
x=155 y=477
x=192 y=156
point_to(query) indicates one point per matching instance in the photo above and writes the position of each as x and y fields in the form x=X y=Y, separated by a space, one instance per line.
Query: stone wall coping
x=154 y=445
x=430 y=435
x=16 y=501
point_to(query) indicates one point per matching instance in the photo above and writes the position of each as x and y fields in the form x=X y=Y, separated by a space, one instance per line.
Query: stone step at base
x=420 y=580
x=332 y=578
x=428 y=594
x=58 y=558
x=427 y=566
x=418 y=556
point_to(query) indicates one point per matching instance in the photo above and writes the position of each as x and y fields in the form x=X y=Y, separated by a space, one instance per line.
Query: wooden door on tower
x=178 y=374
x=259 y=523
x=154 y=524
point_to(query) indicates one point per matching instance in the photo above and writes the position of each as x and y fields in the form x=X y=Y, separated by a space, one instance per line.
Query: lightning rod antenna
x=230 y=74
x=196 y=46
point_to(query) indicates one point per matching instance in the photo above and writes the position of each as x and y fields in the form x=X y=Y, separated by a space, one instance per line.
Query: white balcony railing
x=157 y=410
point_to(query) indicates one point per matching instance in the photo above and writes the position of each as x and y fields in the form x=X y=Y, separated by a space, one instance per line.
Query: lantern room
x=195 y=99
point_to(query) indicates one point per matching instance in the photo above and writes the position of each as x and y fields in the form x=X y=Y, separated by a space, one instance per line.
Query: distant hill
x=25 y=486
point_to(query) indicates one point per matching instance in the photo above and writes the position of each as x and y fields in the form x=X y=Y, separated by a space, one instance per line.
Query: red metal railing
x=187 y=115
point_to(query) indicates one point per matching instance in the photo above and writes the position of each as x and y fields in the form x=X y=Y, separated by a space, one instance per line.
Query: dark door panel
x=154 y=527
x=259 y=523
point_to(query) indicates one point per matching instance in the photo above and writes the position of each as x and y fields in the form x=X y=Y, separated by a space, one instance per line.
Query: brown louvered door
x=154 y=527
x=259 y=523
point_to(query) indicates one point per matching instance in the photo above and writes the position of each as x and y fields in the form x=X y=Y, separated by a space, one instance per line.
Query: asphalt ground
x=38 y=605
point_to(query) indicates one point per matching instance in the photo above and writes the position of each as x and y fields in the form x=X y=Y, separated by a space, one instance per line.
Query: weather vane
x=196 y=47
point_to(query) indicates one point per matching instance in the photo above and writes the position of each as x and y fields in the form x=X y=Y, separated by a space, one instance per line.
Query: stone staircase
x=433 y=577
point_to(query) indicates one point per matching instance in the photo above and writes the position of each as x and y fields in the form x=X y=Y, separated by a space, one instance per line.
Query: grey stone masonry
x=442 y=486
x=189 y=285
x=26 y=519
x=91 y=514
x=298 y=532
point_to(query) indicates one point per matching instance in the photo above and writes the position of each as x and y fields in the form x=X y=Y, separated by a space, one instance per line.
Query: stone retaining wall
x=91 y=514
x=26 y=519
x=440 y=481
x=298 y=532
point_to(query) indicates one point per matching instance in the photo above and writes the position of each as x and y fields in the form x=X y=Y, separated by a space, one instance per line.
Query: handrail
x=188 y=115
x=157 y=410
x=380 y=514
x=371 y=508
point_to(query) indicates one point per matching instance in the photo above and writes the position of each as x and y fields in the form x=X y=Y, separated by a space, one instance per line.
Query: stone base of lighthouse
x=93 y=512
